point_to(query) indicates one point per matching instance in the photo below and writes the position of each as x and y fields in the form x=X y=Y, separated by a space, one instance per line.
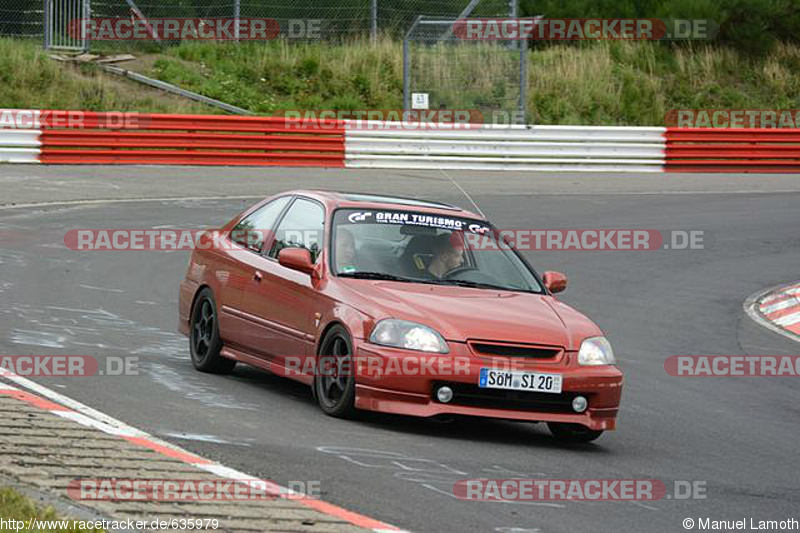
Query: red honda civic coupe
x=400 y=306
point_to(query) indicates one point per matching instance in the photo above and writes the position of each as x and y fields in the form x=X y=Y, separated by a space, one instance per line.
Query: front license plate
x=492 y=378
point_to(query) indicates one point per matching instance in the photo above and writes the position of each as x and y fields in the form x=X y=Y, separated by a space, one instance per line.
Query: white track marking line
x=263 y=196
x=87 y=416
x=68 y=402
x=84 y=420
x=133 y=200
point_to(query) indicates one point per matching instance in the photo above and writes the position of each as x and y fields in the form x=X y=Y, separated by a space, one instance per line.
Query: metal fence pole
x=406 y=75
x=523 y=81
x=407 y=65
x=373 y=31
x=237 y=13
x=46 y=23
x=87 y=14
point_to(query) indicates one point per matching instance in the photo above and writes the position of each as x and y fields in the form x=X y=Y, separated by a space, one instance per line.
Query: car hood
x=462 y=313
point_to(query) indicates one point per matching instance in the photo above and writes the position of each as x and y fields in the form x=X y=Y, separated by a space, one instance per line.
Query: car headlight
x=408 y=335
x=596 y=351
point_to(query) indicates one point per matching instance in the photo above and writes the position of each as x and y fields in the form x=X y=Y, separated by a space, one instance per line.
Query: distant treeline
x=752 y=26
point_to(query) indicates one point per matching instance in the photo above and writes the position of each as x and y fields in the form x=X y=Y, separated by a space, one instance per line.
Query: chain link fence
x=21 y=18
x=441 y=70
x=336 y=19
x=446 y=71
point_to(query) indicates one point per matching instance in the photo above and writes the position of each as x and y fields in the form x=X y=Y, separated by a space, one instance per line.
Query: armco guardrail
x=546 y=148
x=20 y=146
x=733 y=150
x=70 y=137
x=64 y=137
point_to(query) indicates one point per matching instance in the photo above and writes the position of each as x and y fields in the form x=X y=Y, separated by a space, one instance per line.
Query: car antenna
x=454 y=182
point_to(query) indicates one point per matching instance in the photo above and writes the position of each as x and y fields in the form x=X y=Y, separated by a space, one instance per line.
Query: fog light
x=444 y=394
x=579 y=404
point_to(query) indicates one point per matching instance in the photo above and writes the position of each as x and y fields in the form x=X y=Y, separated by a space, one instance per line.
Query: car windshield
x=420 y=247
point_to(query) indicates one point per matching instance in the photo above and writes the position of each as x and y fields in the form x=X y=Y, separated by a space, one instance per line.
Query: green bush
x=750 y=26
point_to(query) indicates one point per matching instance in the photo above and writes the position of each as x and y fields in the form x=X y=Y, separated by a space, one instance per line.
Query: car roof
x=361 y=200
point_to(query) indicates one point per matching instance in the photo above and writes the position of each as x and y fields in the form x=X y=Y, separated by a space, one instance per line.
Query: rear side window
x=301 y=227
x=252 y=230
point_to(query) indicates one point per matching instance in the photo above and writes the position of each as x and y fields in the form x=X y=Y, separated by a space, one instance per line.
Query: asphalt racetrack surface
x=737 y=437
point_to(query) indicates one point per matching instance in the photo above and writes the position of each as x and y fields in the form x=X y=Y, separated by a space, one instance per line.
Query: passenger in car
x=345 y=251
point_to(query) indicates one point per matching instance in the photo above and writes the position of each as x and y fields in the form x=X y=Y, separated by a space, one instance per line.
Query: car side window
x=252 y=230
x=301 y=227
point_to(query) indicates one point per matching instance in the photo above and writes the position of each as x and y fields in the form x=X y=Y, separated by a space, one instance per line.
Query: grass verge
x=590 y=83
x=29 y=79
x=594 y=83
x=15 y=506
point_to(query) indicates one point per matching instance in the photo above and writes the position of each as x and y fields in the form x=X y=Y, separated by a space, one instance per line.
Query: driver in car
x=448 y=254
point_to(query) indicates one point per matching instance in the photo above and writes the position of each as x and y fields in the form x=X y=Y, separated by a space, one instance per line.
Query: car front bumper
x=405 y=382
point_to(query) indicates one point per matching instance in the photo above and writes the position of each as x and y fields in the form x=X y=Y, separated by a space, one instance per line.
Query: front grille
x=474 y=396
x=529 y=351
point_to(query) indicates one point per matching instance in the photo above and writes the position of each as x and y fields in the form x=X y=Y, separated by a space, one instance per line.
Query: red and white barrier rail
x=69 y=137
x=72 y=137
x=733 y=150
x=521 y=148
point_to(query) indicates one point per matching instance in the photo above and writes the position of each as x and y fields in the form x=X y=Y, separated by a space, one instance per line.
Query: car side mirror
x=297 y=259
x=554 y=281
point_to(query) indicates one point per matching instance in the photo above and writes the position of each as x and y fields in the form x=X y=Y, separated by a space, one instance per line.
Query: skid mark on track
x=201 y=437
x=165 y=354
x=10 y=258
x=427 y=473
x=38 y=338
x=187 y=383
x=107 y=289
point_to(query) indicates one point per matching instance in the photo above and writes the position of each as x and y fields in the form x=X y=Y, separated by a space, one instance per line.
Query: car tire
x=573 y=432
x=204 y=340
x=334 y=379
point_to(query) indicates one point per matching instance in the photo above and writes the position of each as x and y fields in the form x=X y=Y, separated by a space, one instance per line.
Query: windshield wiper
x=373 y=275
x=475 y=285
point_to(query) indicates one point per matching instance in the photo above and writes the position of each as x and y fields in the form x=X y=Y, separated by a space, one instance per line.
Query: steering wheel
x=458 y=271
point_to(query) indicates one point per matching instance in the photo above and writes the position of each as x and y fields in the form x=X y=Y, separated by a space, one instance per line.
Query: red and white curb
x=60 y=405
x=777 y=309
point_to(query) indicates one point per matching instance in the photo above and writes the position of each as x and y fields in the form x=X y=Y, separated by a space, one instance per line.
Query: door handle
x=258 y=276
